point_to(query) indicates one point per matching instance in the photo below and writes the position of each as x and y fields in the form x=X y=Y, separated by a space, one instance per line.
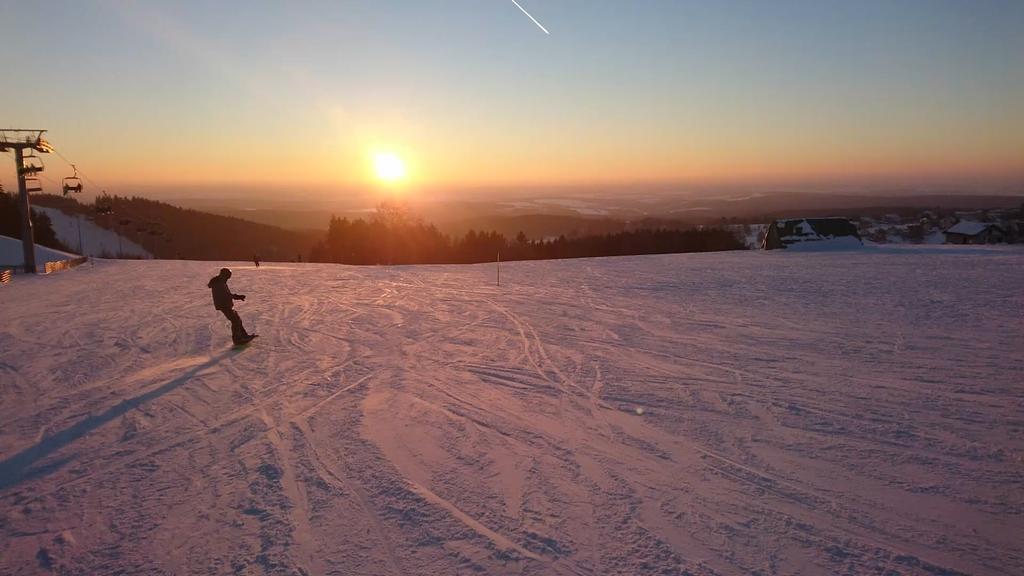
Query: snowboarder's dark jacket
x=222 y=296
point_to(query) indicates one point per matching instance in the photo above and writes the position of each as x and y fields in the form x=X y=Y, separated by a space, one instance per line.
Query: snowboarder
x=223 y=300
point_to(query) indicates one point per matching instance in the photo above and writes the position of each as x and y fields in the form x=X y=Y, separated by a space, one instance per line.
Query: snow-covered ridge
x=720 y=413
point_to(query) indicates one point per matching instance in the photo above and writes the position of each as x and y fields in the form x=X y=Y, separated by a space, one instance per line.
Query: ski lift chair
x=72 y=183
x=31 y=165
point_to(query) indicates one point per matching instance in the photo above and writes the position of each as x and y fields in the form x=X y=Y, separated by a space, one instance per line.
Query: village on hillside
x=951 y=227
x=937 y=226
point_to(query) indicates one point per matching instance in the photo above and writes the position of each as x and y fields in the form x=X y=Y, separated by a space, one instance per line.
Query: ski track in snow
x=853 y=413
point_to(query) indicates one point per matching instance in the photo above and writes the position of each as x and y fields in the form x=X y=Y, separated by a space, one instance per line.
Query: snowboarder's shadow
x=19 y=467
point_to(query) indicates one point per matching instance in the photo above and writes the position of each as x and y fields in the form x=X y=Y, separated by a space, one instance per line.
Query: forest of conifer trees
x=394 y=236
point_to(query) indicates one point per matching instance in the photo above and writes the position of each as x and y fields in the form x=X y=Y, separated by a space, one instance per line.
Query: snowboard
x=246 y=342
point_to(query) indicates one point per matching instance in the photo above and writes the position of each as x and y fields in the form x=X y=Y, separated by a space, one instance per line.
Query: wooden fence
x=7 y=272
x=65 y=264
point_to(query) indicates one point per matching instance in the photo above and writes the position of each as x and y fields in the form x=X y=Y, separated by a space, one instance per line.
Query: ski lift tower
x=20 y=141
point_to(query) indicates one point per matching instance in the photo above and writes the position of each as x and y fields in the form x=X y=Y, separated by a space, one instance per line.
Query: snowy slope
x=96 y=240
x=733 y=413
x=11 y=253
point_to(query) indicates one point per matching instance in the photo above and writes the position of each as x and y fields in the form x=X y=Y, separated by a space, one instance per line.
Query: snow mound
x=11 y=253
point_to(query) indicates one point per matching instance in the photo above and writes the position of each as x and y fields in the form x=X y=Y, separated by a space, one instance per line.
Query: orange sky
x=472 y=95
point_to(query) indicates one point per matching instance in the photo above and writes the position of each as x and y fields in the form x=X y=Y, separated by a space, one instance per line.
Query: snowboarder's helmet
x=226 y=273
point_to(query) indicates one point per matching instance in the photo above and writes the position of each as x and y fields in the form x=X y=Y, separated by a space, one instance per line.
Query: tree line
x=394 y=236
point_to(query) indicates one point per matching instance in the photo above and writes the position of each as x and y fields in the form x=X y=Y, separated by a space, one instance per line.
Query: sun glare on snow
x=389 y=167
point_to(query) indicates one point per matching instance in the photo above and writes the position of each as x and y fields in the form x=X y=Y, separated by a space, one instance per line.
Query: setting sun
x=389 y=167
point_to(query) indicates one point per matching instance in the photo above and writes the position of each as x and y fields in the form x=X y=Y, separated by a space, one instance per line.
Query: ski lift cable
x=78 y=171
x=50 y=180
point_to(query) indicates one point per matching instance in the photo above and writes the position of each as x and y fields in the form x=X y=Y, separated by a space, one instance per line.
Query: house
x=796 y=231
x=967 y=232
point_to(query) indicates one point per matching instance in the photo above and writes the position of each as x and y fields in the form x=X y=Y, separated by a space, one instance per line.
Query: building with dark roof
x=784 y=233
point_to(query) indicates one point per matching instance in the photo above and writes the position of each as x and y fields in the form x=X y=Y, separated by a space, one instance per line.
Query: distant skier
x=256 y=260
x=223 y=300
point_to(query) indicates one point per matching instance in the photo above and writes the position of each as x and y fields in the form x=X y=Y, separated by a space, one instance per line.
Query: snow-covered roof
x=967 y=228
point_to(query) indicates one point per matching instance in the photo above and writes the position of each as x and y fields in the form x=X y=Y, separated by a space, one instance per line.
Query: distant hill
x=168 y=231
x=579 y=216
x=291 y=219
x=795 y=204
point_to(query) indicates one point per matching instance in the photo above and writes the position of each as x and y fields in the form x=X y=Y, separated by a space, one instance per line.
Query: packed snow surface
x=732 y=413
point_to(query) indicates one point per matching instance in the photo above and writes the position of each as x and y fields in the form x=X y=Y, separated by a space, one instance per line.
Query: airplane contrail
x=539 y=25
